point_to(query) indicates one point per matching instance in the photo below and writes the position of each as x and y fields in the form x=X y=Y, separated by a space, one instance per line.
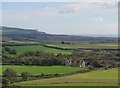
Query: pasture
x=77 y=84
x=38 y=70
x=85 y=46
x=94 y=78
x=22 y=49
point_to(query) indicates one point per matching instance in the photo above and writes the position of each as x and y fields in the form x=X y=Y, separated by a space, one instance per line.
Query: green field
x=94 y=78
x=22 y=49
x=0 y=70
x=37 y=70
x=89 y=46
x=77 y=84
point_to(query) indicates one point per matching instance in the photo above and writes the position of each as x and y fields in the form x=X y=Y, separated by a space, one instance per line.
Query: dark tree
x=10 y=74
x=25 y=75
x=63 y=42
x=7 y=49
x=13 y=51
x=5 y=81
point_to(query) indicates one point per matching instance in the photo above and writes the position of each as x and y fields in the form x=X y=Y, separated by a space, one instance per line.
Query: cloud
x=96 y=19
x=55 y=0
x=48 y=8
x=77 y=7
x=113 y=25
x=30 y=14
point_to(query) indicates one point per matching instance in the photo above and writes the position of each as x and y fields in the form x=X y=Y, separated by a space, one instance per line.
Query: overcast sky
x=63 y=17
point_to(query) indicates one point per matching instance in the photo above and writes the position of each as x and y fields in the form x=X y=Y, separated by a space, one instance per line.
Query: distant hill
x=10 y=33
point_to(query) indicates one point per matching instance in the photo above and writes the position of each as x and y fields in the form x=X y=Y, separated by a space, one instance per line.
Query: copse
x=97 y=58
x=39 y=58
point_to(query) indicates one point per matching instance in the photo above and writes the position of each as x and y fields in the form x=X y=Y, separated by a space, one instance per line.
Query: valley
x=35 y=58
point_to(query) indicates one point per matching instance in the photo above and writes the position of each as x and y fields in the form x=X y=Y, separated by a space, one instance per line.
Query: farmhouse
x=76 y=63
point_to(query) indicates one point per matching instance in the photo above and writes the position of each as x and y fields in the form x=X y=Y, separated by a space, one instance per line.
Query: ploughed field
x=38 y=70
x=93 y=78
x=85 y=46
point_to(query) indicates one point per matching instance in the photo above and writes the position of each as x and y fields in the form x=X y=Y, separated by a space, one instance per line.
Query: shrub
x=10 y=74
x=5 y=81
x=25 y=75
x=12 y=51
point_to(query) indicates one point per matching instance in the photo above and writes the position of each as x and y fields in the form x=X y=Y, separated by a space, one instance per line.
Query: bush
x=7 y=49
x=57 y=75
x=25 y=75
x=42 y=75
x=12 y=51
x=10 y=74
x=5 y=81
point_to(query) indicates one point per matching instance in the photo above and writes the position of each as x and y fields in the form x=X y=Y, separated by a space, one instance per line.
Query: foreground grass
x=0 y=69
x=101 y=74
x=37 y=70
x=92 y=46
x=94 y=77
x=22 y=49
x=77 y=84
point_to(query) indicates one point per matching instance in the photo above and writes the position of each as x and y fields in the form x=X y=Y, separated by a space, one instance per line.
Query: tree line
x=8 y=50
x=99 y=58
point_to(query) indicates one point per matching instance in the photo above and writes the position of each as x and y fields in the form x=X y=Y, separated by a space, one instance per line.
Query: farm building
x=76 y=63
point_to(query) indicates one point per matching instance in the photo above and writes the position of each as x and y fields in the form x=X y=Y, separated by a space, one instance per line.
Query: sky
x=63 y=17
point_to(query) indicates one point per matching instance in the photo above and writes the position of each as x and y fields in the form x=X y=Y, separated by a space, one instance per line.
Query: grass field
x=93 y=46
x=0 y=69
x=77 y=84
x=94 y=78
x=22 y=49
x=37 y=70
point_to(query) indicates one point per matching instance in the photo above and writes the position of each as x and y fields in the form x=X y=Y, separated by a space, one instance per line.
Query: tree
x=10 y=74
x=13 y=51
x=97 y=63
x=63 y=42
x=5 y=81
x=42 y=75
x=3 y=51
x=25 y=75
x=7 y=49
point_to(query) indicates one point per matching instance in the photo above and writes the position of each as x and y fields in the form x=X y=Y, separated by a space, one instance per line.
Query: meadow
x=22 y=49
x=94 y=78
x=38 y=70
x=77 y=84
x=85 y=46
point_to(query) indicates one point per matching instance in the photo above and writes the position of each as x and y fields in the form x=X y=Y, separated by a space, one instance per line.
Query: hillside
x=18 y=34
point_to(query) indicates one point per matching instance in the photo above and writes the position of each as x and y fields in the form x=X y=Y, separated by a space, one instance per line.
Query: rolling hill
x=19 y=34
